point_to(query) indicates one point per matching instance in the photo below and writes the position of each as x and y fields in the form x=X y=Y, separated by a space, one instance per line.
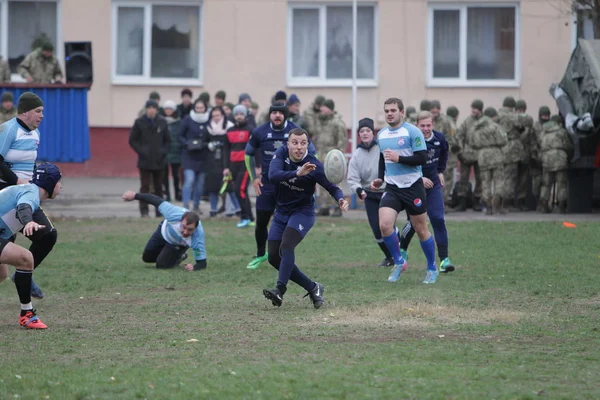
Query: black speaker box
x=78 y=62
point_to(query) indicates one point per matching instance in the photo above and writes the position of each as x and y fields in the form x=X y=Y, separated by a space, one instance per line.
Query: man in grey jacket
x=362 y=170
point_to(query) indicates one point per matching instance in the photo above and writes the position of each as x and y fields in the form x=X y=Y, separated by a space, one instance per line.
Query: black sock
x=385 y=250
x=442 y=251
x=23 y=284
x=261 y=231
x=282 y=289
x=406 y=236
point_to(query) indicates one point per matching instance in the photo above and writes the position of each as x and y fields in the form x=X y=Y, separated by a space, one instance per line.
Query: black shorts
x=413 y=199
x=3 y=243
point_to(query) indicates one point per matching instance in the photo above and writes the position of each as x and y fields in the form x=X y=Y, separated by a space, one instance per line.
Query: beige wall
x=245 y=51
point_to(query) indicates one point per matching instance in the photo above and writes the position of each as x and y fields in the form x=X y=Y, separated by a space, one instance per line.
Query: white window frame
x=322 y=80
x=462 y=80
x=574 y=26
x=145 y=78
x=58 y=46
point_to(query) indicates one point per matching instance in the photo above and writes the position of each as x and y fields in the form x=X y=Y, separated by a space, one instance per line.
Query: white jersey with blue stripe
x=171 y=230
x=404 y=140
x=10 y=197
x=19 y=147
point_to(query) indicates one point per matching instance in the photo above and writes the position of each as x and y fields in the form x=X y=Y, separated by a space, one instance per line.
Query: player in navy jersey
x=19 y=141
x=181 y=229
x=403 y=152
x=263 y=143
x=295 y=172
x=18 y=204
x=433 y=180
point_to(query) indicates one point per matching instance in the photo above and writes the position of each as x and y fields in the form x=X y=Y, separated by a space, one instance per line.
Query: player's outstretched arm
x=147 y=197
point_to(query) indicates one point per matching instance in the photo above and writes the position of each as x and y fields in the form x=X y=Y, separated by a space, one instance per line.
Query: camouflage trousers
x=491 y=181
x=522 y=181
x=511 y=180
x=324 y=199
x=535 y=171
x=448 y=183
x=463 y=184
x=559 y=178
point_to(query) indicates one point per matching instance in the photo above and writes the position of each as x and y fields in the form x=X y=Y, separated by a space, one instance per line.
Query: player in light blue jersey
x=19 y=140
x=403 y=151
x=18 y=204
x=181 y=229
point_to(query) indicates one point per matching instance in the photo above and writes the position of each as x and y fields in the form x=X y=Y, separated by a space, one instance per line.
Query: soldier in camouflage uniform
x=535 y=166
x=311 y=116
x=7 y=107
x=514 y=152
x=41 y=66
x=443 y=123
x=556 y=148
x=525 y=123
x=468 y=158
x=411 y=115
x=489 y=139
x=293 y=105
x=4 y=71
x=452 y=113
x=332 y=134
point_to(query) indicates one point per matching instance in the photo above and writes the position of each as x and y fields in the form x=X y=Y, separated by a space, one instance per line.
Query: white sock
x=27 y=306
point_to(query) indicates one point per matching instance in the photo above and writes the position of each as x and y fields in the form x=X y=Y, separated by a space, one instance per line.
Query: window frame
x=462 y=80
x=58 y=46
x=574 y=23
x=146 y=78
x=322 y=80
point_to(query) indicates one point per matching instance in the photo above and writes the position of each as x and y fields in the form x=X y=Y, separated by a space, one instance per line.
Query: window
x=23 y=25
x=320 y=45
x=156 y=43
x=583 y=25
x=473 y=45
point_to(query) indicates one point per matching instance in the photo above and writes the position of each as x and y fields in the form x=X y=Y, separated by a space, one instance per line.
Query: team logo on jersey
x=293 y=180
x=269 y=135
x=300 y=227
x=277 y=144
x=418 y=141
x=286 y=135
x=436 y=143
x=417 y=202
x=401 y=141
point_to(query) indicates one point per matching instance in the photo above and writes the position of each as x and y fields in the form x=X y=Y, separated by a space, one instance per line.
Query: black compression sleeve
x=149 y=198
x=418 y=158
x=24 y=213
x=6 y=173
x=200 y=264
x=381 y=172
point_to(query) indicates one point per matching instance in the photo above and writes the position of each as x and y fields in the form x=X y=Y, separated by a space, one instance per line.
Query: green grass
x=519 y=319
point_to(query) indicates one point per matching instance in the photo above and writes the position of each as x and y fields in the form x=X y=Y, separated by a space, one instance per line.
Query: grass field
x=519 y=319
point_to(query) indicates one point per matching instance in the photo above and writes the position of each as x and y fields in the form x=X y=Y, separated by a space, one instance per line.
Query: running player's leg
x=265 y=206
x=436 y=211
x=154 y=246
x=372 y=208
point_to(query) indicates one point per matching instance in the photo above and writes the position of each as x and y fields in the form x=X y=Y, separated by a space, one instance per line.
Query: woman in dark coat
x=217 y=133
x=193 y=136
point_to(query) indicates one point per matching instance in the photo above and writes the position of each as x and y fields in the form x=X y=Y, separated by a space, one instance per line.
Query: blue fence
x=64 y=131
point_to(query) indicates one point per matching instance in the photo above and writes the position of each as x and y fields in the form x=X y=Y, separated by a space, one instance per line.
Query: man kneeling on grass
x=180 y=230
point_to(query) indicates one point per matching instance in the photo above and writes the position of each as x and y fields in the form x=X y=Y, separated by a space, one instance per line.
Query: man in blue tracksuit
x=433 y=180
x=295 y=172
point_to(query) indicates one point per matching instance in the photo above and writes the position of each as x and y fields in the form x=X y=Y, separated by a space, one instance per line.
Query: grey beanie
x=240 y=109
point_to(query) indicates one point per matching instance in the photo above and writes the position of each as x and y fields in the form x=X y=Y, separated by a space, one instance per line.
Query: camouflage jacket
x=331 y=134
x=412 y=118
x=489 y=138
x=298 y=120
x=535 y=142
x=4 y=71
x=556 y=146
x=41 y=69
x=446 y=125
x=466 y=153
x=514 y=151
x=525 y=123
x=5 y=115
x=310 y=119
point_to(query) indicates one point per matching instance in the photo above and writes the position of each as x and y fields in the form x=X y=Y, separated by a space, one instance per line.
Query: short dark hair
x=395 y=100
x=298 y=132
x=191 y=218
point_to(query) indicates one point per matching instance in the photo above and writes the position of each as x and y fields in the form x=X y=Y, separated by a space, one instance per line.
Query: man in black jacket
x=149 y=138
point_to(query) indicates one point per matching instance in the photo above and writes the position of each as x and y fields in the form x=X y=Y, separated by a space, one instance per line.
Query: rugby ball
x=335 y=166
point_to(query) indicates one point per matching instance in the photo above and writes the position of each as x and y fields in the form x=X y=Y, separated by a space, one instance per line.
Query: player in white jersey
x=181 y=229
x=19 y=140
x=18 y=204
x=403 y=151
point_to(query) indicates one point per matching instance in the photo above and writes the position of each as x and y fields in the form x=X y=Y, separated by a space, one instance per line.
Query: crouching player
x=18 y=203
x=296 y=173
x=180 y=230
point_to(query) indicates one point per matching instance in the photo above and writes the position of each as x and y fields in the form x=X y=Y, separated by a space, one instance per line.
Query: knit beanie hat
x=154 y=96
x=254 y=105
x=293 y=99
x=329 y=104
x=47 y=46
x=436 y=104
x=7 y=96
x=410 y=110
x=521 y=105
x=478 y=104
x=366 y=123
x=319 y=100
x=205 y=97
x=452 y=111
x=231 y=106
x=425 y=105
x=280 y=96
x=169 y=104
x=490 y=112
x=46 y=176
x=281 y=107
x=544 y=110
x=240 y=109
x=221 y=95
x=28 y=101
x=509 y=102
x=244 y=96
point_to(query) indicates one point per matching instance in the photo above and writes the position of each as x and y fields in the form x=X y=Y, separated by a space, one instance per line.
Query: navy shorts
x=413 y=199
x=268 y=196
x=301 y=220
